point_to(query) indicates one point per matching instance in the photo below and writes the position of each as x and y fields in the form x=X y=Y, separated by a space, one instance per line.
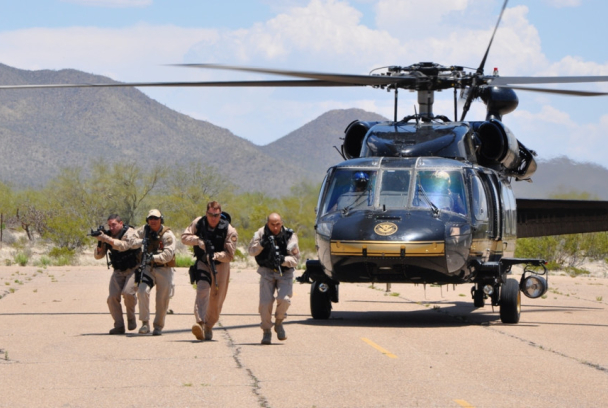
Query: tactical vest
x=217 y=237
x=126 y=259
x=155 y=245
x=264 y=258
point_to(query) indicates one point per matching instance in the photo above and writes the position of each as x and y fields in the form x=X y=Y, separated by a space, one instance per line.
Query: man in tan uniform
x=276 y=251
x=124 y=259
x=214 y=240
x=158 y=247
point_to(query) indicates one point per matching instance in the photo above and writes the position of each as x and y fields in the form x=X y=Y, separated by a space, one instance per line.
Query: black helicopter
x=426 y=199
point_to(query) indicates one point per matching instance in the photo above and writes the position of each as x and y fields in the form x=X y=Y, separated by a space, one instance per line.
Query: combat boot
x=197 y=330
x=267 y=338
x=157 y=332
x=118 y=330
x=145 y=328
x=278 y=328
x=208 y=333
x=132 y=324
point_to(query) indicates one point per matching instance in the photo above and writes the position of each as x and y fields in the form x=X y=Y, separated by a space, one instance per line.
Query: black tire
x=320 y=303
x=510 y=302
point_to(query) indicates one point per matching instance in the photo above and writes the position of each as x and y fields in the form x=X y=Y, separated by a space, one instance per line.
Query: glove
x=102 y=237
x=264 y=242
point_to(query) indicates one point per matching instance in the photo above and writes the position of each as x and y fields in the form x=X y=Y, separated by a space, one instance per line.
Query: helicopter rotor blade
x=288 y=83
x=546 y=80
x=374 y=80
x=485 y=57
x=556 y=91
x=473 y=92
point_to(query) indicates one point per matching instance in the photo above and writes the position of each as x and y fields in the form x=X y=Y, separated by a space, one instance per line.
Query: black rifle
x=275 y=254
x=95 y=233
x=210 y=251
x=100 y=230
x=145 y=260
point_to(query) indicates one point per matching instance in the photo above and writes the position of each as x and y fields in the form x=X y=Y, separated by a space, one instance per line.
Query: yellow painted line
x=377 y=347
x=463 y=403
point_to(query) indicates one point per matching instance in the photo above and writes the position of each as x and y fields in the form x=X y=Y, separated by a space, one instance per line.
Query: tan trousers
x=122 y=283
x=269 y=282
x=209 y=301
x=163 y=280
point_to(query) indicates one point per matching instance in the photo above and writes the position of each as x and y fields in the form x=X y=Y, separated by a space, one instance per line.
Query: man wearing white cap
x=158 y=246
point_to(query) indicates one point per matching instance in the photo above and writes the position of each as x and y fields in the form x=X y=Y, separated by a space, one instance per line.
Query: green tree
x=122 y=189
x=7 y=206
x=187 y=189
x=32 y=212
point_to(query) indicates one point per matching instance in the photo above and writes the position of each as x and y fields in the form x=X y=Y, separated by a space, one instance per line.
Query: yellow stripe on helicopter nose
x=387 y=248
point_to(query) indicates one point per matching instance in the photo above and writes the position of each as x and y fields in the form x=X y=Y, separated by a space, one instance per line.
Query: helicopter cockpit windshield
x=440 y=189
x=350 y=189
x=395 y=185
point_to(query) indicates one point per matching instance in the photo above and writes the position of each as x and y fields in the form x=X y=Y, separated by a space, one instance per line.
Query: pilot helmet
x=360 y=179
x=442 y=177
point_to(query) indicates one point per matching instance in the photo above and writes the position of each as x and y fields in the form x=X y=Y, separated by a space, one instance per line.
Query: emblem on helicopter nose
x=385 y=228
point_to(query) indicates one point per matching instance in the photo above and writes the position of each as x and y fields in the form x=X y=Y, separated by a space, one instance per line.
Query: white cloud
x=126 y=54
x=329 y=36
x=111 y=3
x=563 y=3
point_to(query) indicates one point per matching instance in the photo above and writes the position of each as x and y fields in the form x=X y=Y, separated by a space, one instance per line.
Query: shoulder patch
x=233 y=238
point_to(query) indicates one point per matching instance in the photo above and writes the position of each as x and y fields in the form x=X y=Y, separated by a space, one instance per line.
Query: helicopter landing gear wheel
x=510 y=302
x=320 y=302
x=478 y=298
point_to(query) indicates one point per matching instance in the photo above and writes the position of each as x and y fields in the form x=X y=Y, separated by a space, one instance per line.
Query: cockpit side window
x=480 y=200
x=349 y=189
x=442 y=188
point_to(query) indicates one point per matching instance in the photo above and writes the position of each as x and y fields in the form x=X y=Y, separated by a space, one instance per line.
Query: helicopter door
x=496 y=214
x=509 y=229
x=480 y=215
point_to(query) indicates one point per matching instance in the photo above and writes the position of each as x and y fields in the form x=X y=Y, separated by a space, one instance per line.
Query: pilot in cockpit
x=359 y=196
x=442 y=184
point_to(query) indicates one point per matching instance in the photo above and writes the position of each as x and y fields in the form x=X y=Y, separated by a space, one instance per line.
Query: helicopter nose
x=414 y=247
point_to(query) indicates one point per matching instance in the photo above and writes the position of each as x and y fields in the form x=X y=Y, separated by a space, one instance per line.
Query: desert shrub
x=21 y=258
x=44 y=261
x=62 y=256
x=240 y=256
x=184 y=260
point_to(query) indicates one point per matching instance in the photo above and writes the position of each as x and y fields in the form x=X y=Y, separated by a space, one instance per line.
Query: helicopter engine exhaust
x=500 y=146
x=353 y=138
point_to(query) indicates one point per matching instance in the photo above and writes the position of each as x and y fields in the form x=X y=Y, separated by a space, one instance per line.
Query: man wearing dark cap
x=124 y=259
x=214 y=241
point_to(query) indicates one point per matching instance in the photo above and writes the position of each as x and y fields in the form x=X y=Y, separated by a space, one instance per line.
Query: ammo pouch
x=197 y=274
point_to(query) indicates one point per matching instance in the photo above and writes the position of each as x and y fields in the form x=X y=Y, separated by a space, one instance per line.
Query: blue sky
x=133 y=40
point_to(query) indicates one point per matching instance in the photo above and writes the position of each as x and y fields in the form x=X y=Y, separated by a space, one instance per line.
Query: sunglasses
x=153 y=218
x=213 y=215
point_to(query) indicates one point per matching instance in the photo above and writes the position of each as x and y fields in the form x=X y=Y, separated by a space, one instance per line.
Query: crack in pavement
x=485 y=325
x=255 y=388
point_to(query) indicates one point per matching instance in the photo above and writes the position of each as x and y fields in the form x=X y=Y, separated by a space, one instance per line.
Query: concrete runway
x=408 y=347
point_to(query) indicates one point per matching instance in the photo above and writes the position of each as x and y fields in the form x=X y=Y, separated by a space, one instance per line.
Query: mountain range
x=43 y=130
